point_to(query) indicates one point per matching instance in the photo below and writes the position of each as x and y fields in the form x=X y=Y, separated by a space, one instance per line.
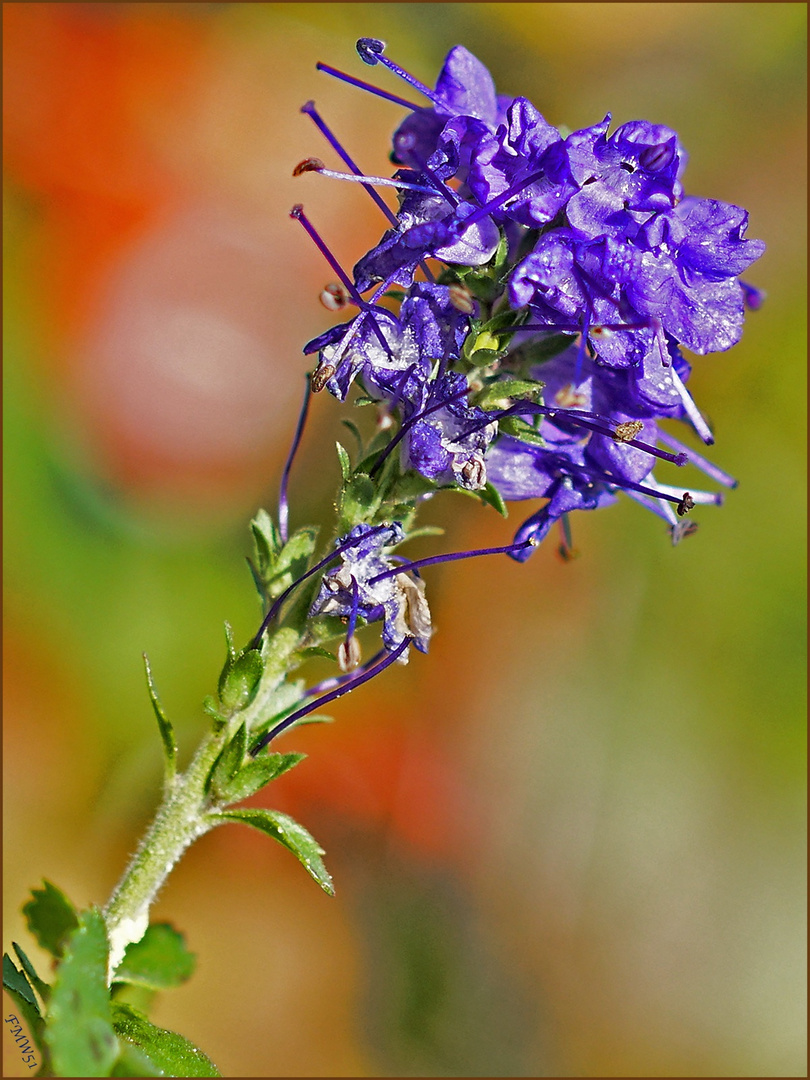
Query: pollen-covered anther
x=321 y=377
x=569 y=398
x=627 y=431
x=685 y=505
x=334 y=296
x=474 y=473
x=461 y=298
x=310 y=164
x=349 y=654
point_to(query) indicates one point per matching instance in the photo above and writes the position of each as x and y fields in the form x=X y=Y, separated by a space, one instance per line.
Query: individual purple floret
x=399 y=600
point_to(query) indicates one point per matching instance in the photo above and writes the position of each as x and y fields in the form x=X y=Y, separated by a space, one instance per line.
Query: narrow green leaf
x=164 y=724
x=317 y=650
x=425 y=530
x=79 y=1030
x=210 y=705
x=345 y=461
x=289 y=833
x=166 y=1051
x=159 y=960
x=240 y=681
x=519 y=429
x=256 y=775
x=16 y=980
x=492 y=497
x=50 y=917
x=508 y=389
x=41 y=987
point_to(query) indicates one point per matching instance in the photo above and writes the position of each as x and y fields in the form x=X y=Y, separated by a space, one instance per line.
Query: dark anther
x=369 y=49
x=310 y=164
x=685 y=505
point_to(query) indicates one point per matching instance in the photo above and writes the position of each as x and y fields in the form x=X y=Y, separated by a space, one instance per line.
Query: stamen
x=329 y=70
x=271 y=614
x=699 y=460
x=493 y=204
x=692 y=411
x=344 y=688
x=706 y=498
x=383 y=181
x=452 y=557
x=407 y=143
x=371 y=52
x=298 y=214
x=334 y=296
x=283 y=508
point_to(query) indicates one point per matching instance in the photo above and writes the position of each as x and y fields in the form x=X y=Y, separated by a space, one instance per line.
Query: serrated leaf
x=289 y=833
x=164 y=725
x=166 y=1051
x=79 y=1031
x=41 y=987
x=345 y=461
x=159 y=960
x=240 y=680
x=50 y=917
x=19 y=990
x=257 y=774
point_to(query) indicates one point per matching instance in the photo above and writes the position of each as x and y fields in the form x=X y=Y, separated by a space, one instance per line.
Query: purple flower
x=349 y=590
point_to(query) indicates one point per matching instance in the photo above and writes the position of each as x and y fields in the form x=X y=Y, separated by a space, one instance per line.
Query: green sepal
x=255 y=775
x=504 y=390
x=240 y=680
x=164 y=725
x=229 y=762
x=292 y=560
x=50 y=917
x=357 y=499
x=345 y=461
x=158 y=961
x=490 y=495
x=79 y=1031
x=266 y=541
x=410 y=486
x=289 y=833
x=42 y=988
x=316 y=650
x=519 y=429
x=210 y=706
x=168 y=1053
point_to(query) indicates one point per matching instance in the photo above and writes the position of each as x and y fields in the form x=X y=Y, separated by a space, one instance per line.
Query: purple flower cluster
x=523 y=318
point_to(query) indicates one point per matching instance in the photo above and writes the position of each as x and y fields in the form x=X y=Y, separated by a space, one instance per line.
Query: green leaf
x=79 y=1030
x=519 y=429
x=345 y=461
x=41 y=987
x=168 y=1053
x=159 y=960
x=255 y=775
x=210 y=706
x=229 y=761
x=353 y=428
x=492 y=497
x=289 y=833
x=164 y=724
x=293 y=559
x=317 y=650
x=50 y=917
x=545 y=348
x=240 y=679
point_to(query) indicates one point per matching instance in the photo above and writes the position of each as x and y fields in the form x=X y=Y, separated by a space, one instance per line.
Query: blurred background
x=570 y=841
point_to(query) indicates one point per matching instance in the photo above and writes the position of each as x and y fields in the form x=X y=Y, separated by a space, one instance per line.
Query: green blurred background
x=570 y=841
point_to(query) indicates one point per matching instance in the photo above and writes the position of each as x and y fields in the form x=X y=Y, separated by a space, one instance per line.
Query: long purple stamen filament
x=452 y=557
x=493 y=204
x=699 y=460
x=381 y=58
x=297 y=212
x=344 y=688
x=315 y=116
x=313 y=570
x=365 y=86
x=353 y=613
x=338 y=680
x=283 y=507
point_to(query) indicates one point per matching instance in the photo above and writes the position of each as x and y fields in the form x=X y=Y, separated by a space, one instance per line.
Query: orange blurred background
x=569 y=842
